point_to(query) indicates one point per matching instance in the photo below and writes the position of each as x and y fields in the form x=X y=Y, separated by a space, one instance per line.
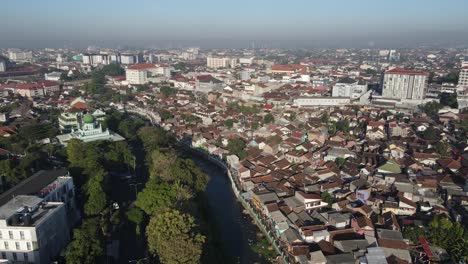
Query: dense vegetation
x=443 y=233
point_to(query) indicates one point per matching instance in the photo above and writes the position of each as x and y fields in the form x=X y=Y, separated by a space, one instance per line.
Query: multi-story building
x=20 y=56
x=32 y=230
x=463 y=79
x=214 y=62
x=321 y=101
x=143 y=73
x=2 y=66
x=405 y=84
x=352 y=89
x=138 y=74
x=37 y=89
x=36 y=217
x=127 y=59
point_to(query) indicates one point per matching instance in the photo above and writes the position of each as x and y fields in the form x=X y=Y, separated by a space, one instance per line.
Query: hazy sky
x=59 y=23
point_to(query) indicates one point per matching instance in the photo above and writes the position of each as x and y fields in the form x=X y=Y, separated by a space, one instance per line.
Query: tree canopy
x=269 y=118
x=236 y=146
x=87 y=246
x=173 y=238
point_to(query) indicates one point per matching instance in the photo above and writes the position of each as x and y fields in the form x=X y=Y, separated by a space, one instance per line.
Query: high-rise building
x=20 y=56
x=2 y=66
x=214 y=62
x=463 y=78
x=405 y=84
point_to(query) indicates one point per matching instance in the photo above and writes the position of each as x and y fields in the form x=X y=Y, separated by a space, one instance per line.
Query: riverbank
x=237 y=193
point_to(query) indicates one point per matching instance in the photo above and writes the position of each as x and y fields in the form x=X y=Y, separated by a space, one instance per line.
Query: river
x=235 y=228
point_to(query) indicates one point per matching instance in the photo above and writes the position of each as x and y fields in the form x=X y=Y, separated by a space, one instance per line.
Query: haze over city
x=233 y=24
x=234 y=132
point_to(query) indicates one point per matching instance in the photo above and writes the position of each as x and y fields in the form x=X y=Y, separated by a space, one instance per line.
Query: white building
x=127 y=59
x=2 y=66
x=353 y=90
x=89 y=129
x=31 y=230
x=20 y=56
x=463 y=79
x=320 y=101
x=35 y=224
x=214 y=62
x=138 y=74
x=144 y=73
x=246 y=61
x=405 y=84
x=53 y=76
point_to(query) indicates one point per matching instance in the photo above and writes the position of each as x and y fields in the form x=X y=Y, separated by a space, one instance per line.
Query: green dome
x=88 y=118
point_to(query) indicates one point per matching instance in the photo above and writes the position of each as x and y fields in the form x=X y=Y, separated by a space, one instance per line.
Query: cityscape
x=234 y=132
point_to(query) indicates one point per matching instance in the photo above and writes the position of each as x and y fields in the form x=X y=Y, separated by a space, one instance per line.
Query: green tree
x=173 y=238
x=430 y=134
x=340 y=162
x=325 y=118
x=449 y=99
x=269 y=118
x=112 y=69
x=343 y=126
x=328 y=198
x=87 y=246
x=153 y=138
x=136 y=216
x=96 y=197
x=165 y=115
x=229 y=123
x=156 y=196
x=236 y=146
x=431 y=108
x=412 y=233
x=442 y=147
x=168 y=91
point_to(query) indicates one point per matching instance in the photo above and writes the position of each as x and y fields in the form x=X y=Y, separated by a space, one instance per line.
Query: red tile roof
x=144 y=66
x=406 y=72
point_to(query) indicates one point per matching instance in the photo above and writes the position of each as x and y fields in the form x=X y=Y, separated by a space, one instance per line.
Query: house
x=337 y=152
x=428 y=159
x=315 y=234
x=363 y=225
x=311 y=201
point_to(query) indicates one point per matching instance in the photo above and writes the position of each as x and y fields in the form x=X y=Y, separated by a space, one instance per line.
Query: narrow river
x=236 y=230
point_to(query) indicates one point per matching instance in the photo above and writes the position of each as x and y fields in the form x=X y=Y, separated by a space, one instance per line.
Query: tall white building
x=127 y=59
x=353 y=90
x=20 y=56
x=405 y=84
x=215 y=62
x=463 y=79
x=2 y=66
x=138 y=74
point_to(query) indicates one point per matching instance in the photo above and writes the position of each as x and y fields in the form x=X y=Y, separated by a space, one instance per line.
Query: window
x=10 y=233
x=17 y=245
x=26 y=257
x=28 y=245
x=4 y=255
x=22 y=234
x=6 y=245
x=14 y=256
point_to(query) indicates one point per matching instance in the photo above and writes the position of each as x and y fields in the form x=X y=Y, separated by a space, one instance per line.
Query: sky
x=232 y=23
